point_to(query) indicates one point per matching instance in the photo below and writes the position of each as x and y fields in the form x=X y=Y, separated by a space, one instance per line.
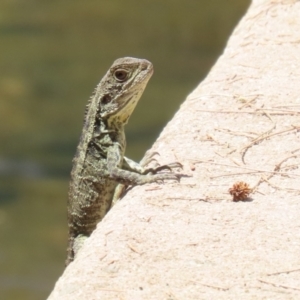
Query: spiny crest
x=89 y=102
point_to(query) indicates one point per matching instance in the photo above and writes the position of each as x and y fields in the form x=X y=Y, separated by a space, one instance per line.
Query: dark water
x=53 y=53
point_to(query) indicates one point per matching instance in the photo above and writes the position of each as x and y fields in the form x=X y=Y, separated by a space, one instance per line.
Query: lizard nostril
x=144 y=67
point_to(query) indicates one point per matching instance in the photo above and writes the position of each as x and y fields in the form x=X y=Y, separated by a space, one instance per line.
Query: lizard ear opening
x=106 y=99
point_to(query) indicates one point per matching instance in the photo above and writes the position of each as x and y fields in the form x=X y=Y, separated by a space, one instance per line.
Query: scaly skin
x=99 y=164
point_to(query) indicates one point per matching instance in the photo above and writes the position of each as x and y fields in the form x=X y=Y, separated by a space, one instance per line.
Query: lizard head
x=121 y=88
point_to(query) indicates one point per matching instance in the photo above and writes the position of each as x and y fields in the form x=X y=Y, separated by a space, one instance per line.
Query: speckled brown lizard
x=99 y=164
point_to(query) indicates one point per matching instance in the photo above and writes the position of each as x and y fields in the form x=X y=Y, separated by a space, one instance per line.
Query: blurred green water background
x=53 y=53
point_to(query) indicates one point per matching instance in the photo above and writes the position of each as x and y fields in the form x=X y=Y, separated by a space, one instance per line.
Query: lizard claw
x=149 y=157
x=168 y=167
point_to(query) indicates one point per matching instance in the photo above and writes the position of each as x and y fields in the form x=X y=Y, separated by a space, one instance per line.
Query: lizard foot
x=159 y=178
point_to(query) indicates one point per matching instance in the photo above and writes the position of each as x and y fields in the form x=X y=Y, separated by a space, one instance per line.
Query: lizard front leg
x=133 y=166
x=130 y=177
x=147 y=173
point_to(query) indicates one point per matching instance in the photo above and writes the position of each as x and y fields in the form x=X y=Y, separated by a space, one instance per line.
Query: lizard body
x=99 y=164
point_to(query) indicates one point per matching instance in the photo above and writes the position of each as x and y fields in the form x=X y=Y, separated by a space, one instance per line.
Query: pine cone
x=240 y=191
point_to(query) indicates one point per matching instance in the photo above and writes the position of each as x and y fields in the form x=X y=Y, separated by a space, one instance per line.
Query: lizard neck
x=109 y=133
x=117 y=122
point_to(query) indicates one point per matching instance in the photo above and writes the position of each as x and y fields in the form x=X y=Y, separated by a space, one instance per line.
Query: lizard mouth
x=125 y=103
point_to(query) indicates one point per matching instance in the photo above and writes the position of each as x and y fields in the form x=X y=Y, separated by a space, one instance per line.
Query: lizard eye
x=121 y=75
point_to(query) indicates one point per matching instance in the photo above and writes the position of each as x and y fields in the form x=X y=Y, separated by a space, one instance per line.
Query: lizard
x=99 y=165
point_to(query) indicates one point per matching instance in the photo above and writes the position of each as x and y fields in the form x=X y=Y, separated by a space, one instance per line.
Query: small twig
x=214 y=287
x=232 y=160
x=249 y=66
x=111 y=290
x=280 y=112
x=256 y=141
x=247 y=103
x=278 y=166
x=296 y=150
x=239 y=133
x=245 y=168
x=294 y=166
x=133 y=249
x=154 y=188
x=211 y=138
x=276 y=171
x=283 y=272
x=235 y=174
x=261 y=179
x=290 y=105
x=284 y=131
x=226 y=111
x=171 y=295
x=260 y=138
x=278 y=187
x=279 y=285
x=189 y=199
